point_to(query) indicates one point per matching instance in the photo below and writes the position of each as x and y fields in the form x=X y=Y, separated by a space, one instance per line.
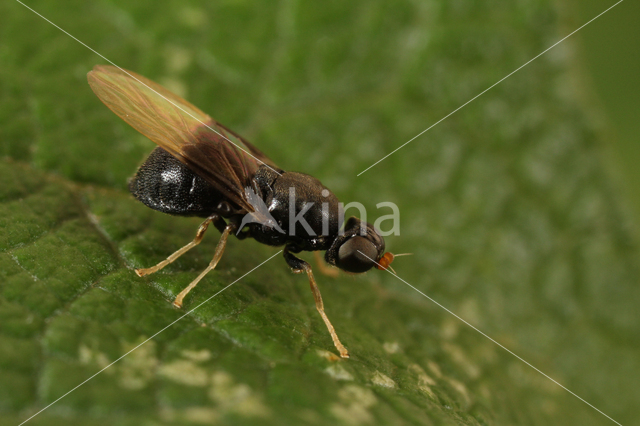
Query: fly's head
x=358 y=249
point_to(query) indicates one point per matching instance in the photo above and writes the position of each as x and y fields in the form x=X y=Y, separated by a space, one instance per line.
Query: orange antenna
x=385 y=261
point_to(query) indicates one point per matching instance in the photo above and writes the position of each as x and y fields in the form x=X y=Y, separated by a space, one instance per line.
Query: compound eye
x=357 y=255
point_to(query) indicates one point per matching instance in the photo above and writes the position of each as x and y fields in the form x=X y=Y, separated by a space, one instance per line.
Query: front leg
x=298 y=265
x=324 y=268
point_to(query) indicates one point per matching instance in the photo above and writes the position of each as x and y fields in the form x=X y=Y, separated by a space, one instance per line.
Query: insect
x=201 y=168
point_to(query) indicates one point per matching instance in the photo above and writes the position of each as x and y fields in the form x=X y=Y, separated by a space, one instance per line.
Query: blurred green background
x=611 y=67
x=521 y=209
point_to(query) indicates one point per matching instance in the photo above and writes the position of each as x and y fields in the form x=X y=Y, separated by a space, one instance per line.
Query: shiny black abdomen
x=165 y=184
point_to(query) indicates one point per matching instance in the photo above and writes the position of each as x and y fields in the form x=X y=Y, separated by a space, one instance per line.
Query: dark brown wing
x=212 y=151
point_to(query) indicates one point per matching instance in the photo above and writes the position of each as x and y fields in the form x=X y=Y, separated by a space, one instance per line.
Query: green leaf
x=513 y=221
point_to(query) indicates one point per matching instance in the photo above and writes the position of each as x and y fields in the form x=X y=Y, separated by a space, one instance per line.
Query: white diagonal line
x=494 y=341
x=159 y=94
x=489 y=88
x=149 y=338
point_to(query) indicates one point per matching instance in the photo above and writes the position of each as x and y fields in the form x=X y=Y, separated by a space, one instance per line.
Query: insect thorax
x=285 y=197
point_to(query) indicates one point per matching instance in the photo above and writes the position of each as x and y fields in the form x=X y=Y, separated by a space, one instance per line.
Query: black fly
x=201 y=168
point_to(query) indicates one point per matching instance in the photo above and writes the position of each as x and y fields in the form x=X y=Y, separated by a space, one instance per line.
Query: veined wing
x=209 y=149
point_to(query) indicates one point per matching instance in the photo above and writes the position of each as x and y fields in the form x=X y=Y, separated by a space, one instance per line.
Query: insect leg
x=216 y=258
x=299 y=266
x=323 y=268
x=199 y=235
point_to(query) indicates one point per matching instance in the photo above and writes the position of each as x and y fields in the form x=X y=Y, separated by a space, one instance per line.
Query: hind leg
x=199 y=235
x=214 y=262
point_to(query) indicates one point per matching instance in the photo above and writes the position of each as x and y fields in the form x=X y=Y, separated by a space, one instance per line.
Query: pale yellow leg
x=199 y=235
x=320 y=307
x=324 y=268
x=216 y=258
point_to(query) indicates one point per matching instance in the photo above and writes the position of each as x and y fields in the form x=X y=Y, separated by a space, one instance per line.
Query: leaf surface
x=514 y=223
